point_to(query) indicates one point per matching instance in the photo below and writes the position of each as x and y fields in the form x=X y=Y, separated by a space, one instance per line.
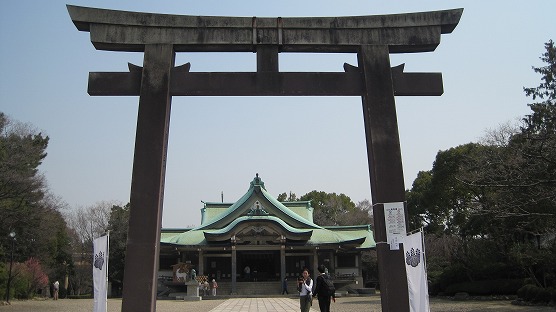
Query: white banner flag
x=100 y=273
x=416 y=271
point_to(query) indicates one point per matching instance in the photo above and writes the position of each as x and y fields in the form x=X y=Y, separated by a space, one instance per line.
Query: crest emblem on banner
x=413 y=257
x=99 y=260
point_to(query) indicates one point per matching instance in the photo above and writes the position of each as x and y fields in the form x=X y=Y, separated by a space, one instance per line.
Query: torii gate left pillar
x=147 y=182
x=159 y=36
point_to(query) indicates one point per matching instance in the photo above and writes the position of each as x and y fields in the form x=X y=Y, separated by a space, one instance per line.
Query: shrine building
x=274 y=239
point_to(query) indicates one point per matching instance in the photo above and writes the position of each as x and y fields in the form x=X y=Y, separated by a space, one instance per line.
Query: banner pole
x=107 y=257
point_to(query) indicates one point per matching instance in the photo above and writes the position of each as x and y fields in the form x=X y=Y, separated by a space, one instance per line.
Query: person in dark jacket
x=321 y=291
x=285 y=286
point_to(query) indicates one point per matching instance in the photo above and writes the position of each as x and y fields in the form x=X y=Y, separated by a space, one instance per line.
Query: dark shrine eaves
x=130 y=31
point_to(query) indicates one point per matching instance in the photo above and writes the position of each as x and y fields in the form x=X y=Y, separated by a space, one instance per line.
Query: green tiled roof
x=165 y=233
x=191 y=238
x=219 y=219
x=362 y=238
x=213 y=211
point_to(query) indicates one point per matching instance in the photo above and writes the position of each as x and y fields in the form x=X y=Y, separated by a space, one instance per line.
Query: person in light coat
x=305 y=288
x=214 y=286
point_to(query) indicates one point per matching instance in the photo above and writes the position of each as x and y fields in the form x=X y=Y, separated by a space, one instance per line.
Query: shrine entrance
x=264 y=266
x=161 y=36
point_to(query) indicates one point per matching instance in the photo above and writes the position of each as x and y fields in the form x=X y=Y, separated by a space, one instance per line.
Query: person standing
x=206 y=288
x=56 y=286
x=322 y=291
x=285 y=286
x=214 y=286
x=305 y=287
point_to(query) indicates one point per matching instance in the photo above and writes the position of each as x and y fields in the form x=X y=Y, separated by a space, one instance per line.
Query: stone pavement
x=259 y=305
x=277 y=304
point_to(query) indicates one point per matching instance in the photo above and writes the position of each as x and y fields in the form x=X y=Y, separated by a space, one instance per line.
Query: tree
x=521 y=171
x=54 y=247
x=90 y=222
x=285 y=197
x=359 y=215
x=86 y=224
x=496 y=201
x=537 y=141
x=118 y=226
x=21 y=185
x=26 y=205
x=333 y=209
x=537 y=147
x=542 y=121
x=420 y=210
x=440 y=199
x=34 y=277
x=328 y=207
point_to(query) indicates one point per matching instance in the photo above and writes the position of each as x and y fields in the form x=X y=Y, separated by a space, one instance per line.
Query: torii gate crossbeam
x=160 y=36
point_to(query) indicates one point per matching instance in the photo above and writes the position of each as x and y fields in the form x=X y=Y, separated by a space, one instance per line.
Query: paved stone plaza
x=276 y=304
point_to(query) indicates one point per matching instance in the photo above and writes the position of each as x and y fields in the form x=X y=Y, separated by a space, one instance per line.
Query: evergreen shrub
x=486 y=287
x=85 y=296
x=63 y=293
x=536 y=294
x=527 y=292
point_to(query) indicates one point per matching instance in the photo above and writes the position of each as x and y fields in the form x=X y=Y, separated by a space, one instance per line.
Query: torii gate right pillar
x=385 y=168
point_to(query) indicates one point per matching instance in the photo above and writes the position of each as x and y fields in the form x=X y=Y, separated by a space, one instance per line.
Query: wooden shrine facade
x=274 y=239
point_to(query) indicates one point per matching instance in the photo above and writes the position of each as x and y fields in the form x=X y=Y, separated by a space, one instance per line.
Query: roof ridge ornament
x=257 y=182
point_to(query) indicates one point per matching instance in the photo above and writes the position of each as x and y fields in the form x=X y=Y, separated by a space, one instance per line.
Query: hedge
x=487 y=287
x=537 y=294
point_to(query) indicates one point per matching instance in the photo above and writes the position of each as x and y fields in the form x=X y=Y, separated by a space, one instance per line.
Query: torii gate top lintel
x=130 y=31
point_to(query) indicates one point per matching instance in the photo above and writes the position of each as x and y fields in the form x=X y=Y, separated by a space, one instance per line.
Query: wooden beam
x=264 y=84
x=131 y=31
x=385 y=169
x=147 y=181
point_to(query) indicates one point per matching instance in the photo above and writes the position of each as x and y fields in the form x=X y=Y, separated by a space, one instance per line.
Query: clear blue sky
x=297 y=144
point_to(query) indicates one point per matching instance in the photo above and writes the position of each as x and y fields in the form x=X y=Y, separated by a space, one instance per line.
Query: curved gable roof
x=289 y=231
x=269 y=206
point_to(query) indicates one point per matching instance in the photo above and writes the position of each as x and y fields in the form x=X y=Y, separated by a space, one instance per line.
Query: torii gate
x=160 y=36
